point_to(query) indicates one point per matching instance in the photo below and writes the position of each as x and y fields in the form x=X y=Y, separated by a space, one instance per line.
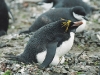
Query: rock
x=98 y=35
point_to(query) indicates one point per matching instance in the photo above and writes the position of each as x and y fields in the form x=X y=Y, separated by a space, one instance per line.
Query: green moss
x=78 y=73
x=95 y=20
x=24 y=16
x=8 y=72
x=96 y=63
x=65 y=63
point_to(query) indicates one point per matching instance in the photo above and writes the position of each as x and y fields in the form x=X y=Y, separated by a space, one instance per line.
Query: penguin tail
x=19 y=58
x=13 y=57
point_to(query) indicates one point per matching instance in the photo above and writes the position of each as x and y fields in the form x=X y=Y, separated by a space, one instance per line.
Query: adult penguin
x=70 y=3
x=4 y=17
x=75 y=14
x=49 y=43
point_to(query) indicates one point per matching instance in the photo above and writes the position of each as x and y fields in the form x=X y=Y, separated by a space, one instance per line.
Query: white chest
x=65 y=46
x=81 y=27
x=60 y=51
x=80 y=17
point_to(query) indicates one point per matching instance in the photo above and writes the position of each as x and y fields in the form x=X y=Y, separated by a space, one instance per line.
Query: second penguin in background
x=74 y=14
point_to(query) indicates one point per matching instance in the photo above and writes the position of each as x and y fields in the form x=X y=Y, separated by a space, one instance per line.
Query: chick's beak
x=78 y=23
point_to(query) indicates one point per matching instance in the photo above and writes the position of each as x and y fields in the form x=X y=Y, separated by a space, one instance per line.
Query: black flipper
x=51 y=50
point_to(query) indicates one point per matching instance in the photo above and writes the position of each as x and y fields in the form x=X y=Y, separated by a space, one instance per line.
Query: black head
x=79 y=10
x=71 y=26
x=79 y=13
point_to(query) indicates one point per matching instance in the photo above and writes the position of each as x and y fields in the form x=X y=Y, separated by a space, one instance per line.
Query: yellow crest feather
x=66 y=24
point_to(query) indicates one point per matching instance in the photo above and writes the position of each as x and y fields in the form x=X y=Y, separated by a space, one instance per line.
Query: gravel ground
x=82 y=59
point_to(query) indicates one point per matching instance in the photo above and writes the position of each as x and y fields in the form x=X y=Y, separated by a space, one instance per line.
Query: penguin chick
x=74 y=14
x=4 y=18
x=49 y=43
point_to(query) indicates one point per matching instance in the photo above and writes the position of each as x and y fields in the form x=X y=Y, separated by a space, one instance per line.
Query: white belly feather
x=66 y=46
x=81 y=27
x=60 y=51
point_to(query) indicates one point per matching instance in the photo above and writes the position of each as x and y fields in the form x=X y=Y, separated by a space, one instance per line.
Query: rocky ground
x=82 y=59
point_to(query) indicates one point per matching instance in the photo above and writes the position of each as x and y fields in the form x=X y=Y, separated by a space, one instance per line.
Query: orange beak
x=78 y=23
